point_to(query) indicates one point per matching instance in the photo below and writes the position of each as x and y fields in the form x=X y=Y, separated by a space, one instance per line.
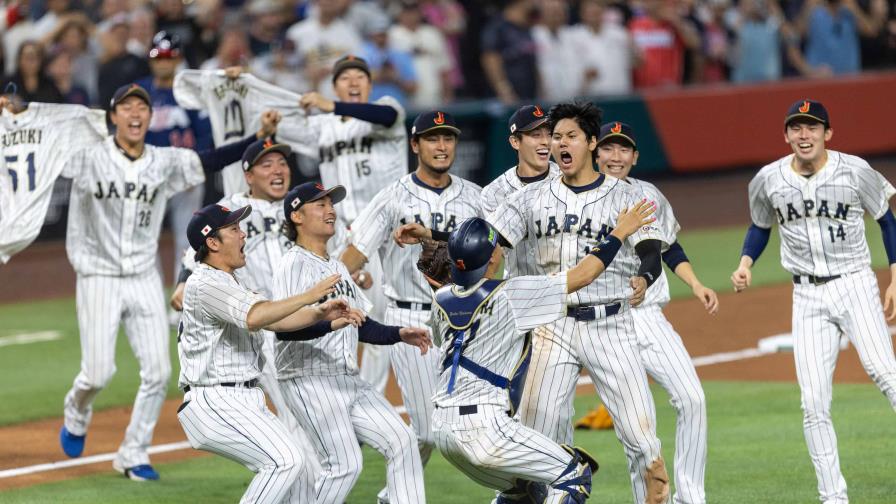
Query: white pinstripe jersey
x=658 y=293
x=335 y=353
x=402 y=202
x=820 y=218
x=362 y=156
x=495 y=340
x=562 y=226
x=35 y=144
x=214 y=343
x=234 y=107
x=518 y=260
x=117 y=205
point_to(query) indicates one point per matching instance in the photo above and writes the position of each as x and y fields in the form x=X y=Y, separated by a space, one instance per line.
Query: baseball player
x=320 y=378
x=119 y=190
x=36 y=140
x=818 y=197
x=219 y=348
x=439 y=201
x=662 y=352
x=485 y=328
x=363 y=147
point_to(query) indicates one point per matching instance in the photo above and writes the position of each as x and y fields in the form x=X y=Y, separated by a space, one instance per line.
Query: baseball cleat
x=143 y=472
x=72 y=445
x=597 y=419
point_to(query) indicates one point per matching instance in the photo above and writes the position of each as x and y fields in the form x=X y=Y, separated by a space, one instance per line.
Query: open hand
x=631 y=219
x=410 y=234
x=417 y=337
x=333 y=309
x=323 y=288
x=353 y=317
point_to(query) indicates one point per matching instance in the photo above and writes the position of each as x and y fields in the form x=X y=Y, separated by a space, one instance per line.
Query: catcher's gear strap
x=518 y=376
x=576 y=478
x=461 y=309
x=657 y=482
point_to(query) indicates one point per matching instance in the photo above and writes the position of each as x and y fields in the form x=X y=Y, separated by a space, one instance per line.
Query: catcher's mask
x=470 y=247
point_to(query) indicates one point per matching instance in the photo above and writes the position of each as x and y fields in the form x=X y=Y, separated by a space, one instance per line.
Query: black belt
x=246 y=384
x=411 y=306
x=584 y=313
x=814 y=280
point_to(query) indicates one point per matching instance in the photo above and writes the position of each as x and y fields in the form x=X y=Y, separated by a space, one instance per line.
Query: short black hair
x=586 y=114
x=202 y=253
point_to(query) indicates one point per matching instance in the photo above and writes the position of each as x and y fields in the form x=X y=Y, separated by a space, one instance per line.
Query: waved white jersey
x=402 y=202
x=495 y=338
x=36 y=143
x=362 y=156
x=214 y=343
x=658 y=293
x=561 y=226
x=519 y=260
x=335 y=353
x=234 y=107
x=820 y=218
x=117 y=205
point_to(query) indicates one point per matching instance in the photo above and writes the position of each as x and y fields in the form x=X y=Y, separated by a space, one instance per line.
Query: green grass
x=756 y=455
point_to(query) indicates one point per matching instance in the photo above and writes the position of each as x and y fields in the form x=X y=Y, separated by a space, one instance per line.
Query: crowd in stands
x=431 y=52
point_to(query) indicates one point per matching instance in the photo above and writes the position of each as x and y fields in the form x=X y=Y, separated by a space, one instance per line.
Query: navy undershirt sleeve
x=756 y=241
x=651 y=266
x=314 y=331
x=371 y=112
x=375 y=333
x=674 y=256
x=888 y=232
x=215 y=160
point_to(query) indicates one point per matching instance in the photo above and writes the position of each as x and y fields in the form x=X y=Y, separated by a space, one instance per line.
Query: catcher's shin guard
x=525 y=492
x=576 y=478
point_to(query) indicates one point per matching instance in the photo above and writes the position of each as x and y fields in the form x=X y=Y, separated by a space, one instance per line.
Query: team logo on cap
x=295 y=203
x=460 y=265
x=319 y=187
x=805 y=106
x=206 y=230
x=538 y=112
x=616 y=128
x=439 y=118
x=513 y=128
x=224 y=208
x=268 y=143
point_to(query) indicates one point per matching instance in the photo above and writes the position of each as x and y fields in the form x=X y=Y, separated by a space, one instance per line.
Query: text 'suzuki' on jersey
x=107 y=189
x=22 y=136
x=809 y=207
x=569 y=223
x=436 y=220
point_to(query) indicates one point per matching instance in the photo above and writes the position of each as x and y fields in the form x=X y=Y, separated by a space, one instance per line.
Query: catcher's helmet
x=165 y=45
x=470 y=247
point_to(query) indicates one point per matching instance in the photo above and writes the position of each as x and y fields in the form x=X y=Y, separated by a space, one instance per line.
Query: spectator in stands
x=831 y=29
x=449 y=18
x=73 y=36
x=18 y=30
x=56 y=10
x=233 y=50
x=30 y=79
x=266 y=25
x=281 y=66
x=392 y=70
x=143 y=28
x=171 y=16
x=118 y=67
x=559 y=71
x=321 y=39
x=715 y=42
x=606 y=51
x=508 y=53
x=59 y=70
x=874 y=48
x=662 y=35
x=430 y=52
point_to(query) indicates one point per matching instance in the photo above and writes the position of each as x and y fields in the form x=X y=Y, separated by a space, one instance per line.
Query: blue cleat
x=143 y=472
x=72 y=445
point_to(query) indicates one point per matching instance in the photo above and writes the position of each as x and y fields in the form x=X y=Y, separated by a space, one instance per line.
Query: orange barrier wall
x=714 y=128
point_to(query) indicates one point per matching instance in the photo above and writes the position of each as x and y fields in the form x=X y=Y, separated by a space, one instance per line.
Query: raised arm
x=375 y=113
x=215 y=160
x=288 y=314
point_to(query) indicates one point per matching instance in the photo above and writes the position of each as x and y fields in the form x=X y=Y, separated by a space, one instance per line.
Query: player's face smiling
x=571 y=148
x=807 y=140
x=268 y=179
x=436 y=150
x=616 y=159
x=131 y=119
x=318 y=218
x=353 y=86
x=534 y=148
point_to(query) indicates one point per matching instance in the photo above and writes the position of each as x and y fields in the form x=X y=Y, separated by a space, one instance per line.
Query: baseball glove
x=434 y=262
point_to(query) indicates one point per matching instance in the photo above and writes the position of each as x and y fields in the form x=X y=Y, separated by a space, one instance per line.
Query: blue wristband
x=606 y=250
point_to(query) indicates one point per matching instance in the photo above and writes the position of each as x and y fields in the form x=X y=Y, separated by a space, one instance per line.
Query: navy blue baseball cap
x=127 y=90
x=807 y=109
x=308 y=192
x=349 y=61
x=617 y=131
x=432 y=121
x=527 y=118
x=259 y=148
x=210 y=219
x=470 y=247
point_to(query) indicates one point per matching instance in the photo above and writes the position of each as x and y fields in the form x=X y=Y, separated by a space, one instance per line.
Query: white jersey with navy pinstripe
x=658 y=292
x=561 y=226
x=361 y=156
x=820 y=218
x=35 y=145
x=518 y=260
x=519 y=305
x=214 y=342
x=333 y=354
x=117 y=205
x=402 y=202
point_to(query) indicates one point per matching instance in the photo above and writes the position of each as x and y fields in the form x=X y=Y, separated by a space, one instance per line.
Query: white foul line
x=25 y=338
